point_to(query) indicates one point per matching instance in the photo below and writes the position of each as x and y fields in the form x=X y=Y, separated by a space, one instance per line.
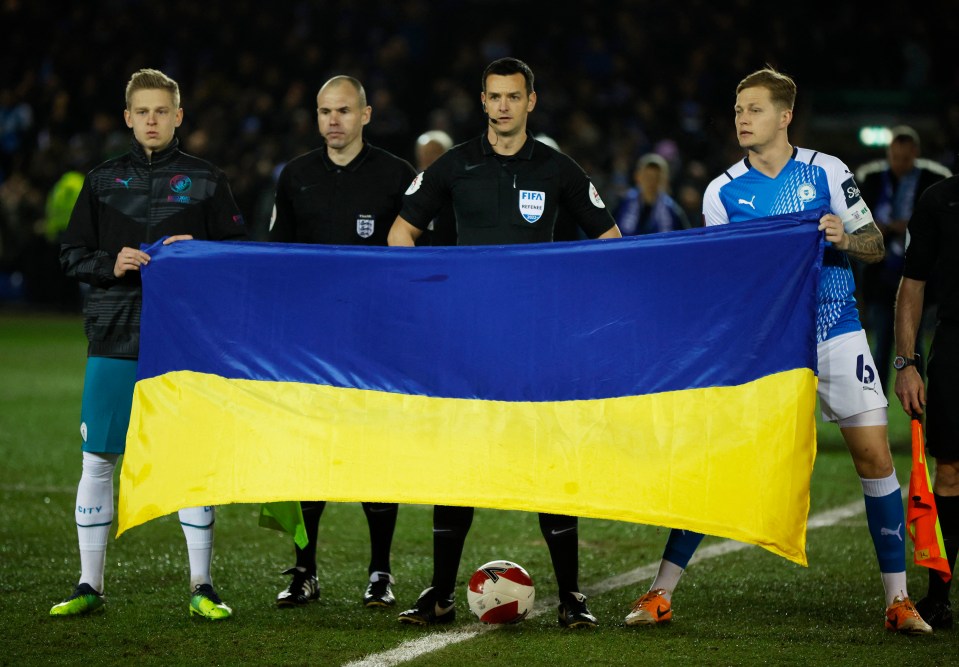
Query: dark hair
x=507 y=67
x=903 y=134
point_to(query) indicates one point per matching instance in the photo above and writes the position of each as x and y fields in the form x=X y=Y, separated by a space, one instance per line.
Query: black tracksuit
x=129 y=201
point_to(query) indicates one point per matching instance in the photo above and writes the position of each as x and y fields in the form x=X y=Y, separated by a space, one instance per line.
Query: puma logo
x=885 y=531
x=126 y=182
x=866 y=375
x=749 y=203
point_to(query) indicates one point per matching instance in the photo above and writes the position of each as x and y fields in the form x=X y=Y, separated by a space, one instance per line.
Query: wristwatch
x=901 y=362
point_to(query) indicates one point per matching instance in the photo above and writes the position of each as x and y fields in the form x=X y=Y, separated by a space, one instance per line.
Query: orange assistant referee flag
x=921 y=515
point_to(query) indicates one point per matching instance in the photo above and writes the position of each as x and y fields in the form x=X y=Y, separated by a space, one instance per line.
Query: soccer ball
x=500 y=592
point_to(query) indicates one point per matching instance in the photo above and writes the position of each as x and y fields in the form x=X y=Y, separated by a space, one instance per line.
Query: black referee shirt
x=318 y=201
x=506 y=200
x=933 y=233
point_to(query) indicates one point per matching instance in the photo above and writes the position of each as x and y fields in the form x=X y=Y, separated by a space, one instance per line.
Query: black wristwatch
x=901 y=362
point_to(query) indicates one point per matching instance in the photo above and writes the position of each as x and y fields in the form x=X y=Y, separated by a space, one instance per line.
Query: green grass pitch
x=746 y=607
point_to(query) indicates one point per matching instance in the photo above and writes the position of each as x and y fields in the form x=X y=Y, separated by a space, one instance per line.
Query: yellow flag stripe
x=728 y=461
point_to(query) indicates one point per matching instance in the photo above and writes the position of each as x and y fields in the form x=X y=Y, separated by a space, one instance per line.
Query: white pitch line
x=24 y=488
x=417 y=647
x=439 y=640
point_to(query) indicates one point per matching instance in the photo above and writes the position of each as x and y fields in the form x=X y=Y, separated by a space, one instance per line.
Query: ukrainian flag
x=667 y=379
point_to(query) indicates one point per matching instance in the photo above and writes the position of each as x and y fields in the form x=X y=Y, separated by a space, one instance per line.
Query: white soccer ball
x=500 y=592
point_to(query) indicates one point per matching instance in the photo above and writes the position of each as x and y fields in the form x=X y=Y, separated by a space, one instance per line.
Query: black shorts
x=942 y=394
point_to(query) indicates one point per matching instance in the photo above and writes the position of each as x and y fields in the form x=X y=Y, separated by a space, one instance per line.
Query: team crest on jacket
x=181 y=184
x=364 y=225
x=532 y=203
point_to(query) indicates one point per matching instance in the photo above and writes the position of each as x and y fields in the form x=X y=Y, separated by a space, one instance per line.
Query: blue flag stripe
x=565 y=321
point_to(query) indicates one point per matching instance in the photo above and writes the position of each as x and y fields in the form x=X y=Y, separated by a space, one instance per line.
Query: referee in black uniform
x=932 y=234
x=505 y=187
x=347 y=192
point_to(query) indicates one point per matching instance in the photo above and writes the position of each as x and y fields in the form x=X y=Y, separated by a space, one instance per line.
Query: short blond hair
x=782 y=89
x=152 y=79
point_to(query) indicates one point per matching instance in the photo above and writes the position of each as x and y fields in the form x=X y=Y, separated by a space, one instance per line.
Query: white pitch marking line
x=25 y=488
x=439 y=640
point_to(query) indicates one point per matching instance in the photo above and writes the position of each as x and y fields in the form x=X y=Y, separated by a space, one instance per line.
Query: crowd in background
x=616 y=80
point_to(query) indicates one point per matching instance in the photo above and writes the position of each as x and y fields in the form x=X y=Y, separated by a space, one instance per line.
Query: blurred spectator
x=612 y=96
x=16 y=119
x=429 y=146
x=647 y=208
x=46 y=284
x=891 y=187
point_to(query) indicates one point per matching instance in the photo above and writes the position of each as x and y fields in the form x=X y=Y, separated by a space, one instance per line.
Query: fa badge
x=532 y=203
x=364 y=225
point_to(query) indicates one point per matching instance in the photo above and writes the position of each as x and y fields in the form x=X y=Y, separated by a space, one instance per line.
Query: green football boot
x=206 y=603
x=84 y=600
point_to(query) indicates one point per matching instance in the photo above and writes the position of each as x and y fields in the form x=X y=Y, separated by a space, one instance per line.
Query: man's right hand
x=129 y=259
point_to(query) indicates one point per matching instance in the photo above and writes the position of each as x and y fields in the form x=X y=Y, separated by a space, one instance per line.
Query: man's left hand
x=835 y=232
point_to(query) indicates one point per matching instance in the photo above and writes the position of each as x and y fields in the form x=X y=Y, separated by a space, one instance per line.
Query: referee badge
x=364 y=225
x=594 y=196
x=415 y=185
x=532 y=203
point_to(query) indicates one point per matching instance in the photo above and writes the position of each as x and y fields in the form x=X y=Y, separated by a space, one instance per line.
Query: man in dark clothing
x=347 y=192
x=933 y=228
x=151 y=192
x=505 y=187
x=891 y=188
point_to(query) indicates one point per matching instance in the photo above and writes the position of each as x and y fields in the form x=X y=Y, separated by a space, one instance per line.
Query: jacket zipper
x=149 y=197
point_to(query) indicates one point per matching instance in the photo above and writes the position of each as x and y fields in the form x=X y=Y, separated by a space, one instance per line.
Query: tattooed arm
x=864 y=244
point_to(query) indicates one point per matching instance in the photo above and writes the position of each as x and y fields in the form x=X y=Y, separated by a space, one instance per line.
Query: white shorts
x=848 y=384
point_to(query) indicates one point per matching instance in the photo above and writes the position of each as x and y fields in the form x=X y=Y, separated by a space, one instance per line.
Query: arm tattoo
x=865 y=244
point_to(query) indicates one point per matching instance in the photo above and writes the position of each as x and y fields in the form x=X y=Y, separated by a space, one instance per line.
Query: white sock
x=877 y=488
x=197 y=524
x=667 y=578
x=94 y=515
x=895 y=585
